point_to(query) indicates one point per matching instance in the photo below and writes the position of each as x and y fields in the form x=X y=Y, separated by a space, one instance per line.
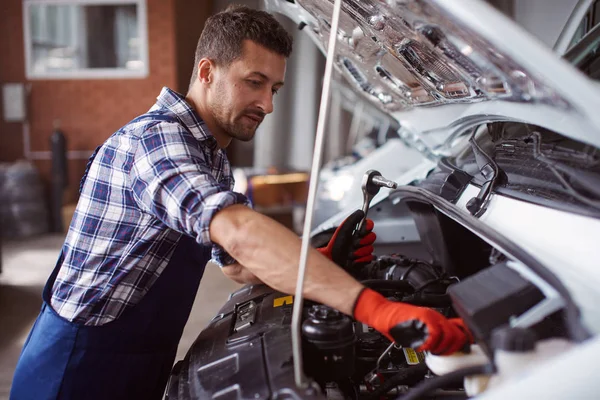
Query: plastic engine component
x=245 y=353
x=489 y=298
x=329 y=351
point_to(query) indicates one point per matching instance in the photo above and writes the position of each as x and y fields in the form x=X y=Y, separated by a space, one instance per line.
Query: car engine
x=249 y=343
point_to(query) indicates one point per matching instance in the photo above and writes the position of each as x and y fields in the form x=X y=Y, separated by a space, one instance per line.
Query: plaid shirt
x=159 y=177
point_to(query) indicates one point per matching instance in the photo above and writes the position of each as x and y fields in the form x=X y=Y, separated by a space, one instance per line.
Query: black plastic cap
x=324 y=313
x=514 y=339
x=328 y=328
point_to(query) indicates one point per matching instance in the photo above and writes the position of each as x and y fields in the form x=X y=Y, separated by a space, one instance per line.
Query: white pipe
x=312 y=194
x=71 y=155
x=26 y=141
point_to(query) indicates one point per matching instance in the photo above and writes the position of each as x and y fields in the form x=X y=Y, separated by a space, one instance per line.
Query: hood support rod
x=312 y=194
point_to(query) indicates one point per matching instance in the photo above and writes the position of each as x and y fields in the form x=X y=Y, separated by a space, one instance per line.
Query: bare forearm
x=271 y=252
x=240 y=274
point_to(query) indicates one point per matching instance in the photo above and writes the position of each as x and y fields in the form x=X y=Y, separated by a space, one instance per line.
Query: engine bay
x=246 y=350
x=248 y=343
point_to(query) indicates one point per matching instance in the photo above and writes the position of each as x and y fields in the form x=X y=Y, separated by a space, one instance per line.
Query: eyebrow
x=266 y=78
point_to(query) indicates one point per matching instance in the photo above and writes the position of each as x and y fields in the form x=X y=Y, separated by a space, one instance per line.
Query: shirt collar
x=176 y=103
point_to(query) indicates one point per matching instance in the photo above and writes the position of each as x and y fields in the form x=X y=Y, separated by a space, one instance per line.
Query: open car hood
x=441 y=66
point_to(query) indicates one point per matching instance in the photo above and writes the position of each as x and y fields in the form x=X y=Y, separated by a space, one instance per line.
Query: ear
x=206 y=70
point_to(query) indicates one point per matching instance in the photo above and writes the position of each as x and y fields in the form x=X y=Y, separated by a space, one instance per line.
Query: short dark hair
x=223 y=35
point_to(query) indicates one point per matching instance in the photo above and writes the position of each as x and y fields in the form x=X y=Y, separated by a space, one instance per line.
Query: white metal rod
x=312 y=193
x=26 y=140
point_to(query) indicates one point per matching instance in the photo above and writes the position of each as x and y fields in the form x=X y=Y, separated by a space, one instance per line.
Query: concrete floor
x=26 y=266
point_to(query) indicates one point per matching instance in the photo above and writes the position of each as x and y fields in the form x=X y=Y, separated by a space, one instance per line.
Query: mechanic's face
x=242 y=93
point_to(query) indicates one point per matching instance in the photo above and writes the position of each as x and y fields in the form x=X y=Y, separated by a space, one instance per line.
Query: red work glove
x=411 y=326
x=461 y=325
x=344 y=248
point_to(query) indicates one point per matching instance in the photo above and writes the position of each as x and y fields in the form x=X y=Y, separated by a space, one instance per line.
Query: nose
x=266 y=102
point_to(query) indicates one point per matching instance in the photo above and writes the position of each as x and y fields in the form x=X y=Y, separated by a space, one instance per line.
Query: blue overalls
x=128 y=358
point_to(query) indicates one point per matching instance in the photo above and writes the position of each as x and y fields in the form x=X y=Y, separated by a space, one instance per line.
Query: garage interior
x=85 y=111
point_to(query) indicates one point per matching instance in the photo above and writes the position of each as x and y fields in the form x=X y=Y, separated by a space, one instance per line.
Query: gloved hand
x=344 y=248
x=411 y=326
x=463 y=327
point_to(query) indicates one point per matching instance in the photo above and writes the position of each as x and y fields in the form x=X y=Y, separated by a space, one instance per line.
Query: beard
x=241 y=127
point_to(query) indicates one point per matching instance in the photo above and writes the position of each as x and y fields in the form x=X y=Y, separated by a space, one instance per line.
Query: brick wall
x=91 y=110
x=190 y=17
x=12 y=69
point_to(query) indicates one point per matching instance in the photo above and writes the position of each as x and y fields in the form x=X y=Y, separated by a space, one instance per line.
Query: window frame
x=88 y=73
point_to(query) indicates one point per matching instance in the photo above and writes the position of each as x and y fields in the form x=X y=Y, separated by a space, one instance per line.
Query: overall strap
x=47 y=292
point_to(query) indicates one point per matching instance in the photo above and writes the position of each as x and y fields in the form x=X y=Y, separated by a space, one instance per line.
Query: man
x=156 y=204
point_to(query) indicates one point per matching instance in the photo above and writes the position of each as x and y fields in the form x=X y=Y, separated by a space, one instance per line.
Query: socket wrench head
x=371 y=183
x=369 y=186
x=382 y=182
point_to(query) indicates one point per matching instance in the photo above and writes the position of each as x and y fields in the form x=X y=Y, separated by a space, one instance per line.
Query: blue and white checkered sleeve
x=221 y=257
x=171 y=180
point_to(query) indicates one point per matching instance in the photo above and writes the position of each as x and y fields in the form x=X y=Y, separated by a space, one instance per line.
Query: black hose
x=429 y=300
x=384 y=284
x=406 y=376
x=437 y=382
x=422 y=300
x=408 y=271
x=428 y=283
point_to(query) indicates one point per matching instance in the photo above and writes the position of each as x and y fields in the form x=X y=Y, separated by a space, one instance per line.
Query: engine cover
x=244 y=353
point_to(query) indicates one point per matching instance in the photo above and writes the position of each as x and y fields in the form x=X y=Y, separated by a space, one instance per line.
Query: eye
x=254 y=83
x=274 y=91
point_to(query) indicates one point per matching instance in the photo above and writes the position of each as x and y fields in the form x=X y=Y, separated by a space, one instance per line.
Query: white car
x=505 y=219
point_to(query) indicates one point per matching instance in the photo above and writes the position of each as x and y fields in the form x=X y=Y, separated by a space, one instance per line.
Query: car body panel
x=563 y=377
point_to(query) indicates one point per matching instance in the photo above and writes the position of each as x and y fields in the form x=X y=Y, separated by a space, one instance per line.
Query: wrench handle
x=361 y=224
x=365 y=209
